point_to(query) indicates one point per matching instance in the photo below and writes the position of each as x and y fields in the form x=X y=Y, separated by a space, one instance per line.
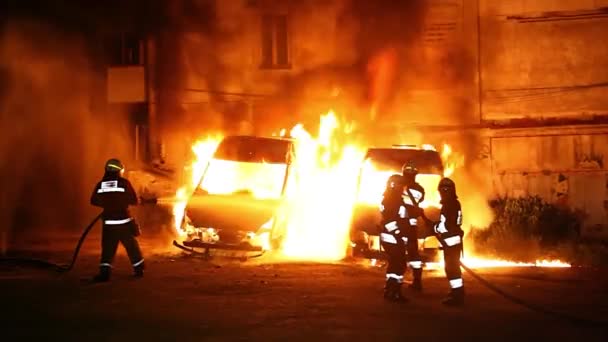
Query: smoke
x=378 y=64
x=53 y=142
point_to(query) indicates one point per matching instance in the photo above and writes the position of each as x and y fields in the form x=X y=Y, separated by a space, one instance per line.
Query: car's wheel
x=431 y=254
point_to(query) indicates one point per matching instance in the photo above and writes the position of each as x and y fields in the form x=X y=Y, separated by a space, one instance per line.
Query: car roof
x=260 y=138
x=248 y=148
x=426 y=160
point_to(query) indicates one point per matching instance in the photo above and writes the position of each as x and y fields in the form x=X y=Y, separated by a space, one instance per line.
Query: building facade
x=518 y=85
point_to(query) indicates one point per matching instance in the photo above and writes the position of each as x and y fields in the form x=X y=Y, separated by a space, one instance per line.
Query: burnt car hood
x=230 y=213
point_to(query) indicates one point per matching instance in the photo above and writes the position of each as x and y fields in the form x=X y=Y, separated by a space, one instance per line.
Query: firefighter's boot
x=416 y=284
x=392 y=291
x=138 y=271
x=388 y=288
x=103 y=275
x=455 y=298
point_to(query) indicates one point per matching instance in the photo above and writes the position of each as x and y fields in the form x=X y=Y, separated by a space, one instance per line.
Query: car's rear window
x=393 y=159
x=253 y=150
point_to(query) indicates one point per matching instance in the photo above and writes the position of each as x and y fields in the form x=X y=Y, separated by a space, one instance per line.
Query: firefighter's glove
x=439 y=227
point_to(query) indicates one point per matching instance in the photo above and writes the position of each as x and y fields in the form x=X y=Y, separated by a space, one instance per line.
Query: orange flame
x=478 y=262
x=320 y=193
x=320 y=202
x=451 y=161
x=203 y=151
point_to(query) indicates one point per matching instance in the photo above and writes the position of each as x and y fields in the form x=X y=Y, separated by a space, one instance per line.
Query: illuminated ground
x=193 y=300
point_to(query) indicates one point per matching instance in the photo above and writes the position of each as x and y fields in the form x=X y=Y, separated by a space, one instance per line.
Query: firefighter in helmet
x=450 y=234
x=393 y=237
x=413 y=195
x=115 y=194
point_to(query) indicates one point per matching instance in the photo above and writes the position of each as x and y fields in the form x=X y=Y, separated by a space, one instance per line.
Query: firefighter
x=393 y=238
x=413 y=195
x=115 y=194
x=450 y=234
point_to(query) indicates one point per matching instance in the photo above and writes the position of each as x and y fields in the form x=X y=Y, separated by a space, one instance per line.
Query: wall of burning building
x=544 y=71
x=544 y=59
x=259 y=66
x=457 y=71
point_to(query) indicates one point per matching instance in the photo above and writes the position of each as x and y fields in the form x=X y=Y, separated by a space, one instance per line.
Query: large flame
x=203 y=151
x=321 y=190
x=320 y=201
x=373 y=182
x=451 y=160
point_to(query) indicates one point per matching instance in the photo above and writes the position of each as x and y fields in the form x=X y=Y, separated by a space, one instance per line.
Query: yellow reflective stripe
x=115 y=166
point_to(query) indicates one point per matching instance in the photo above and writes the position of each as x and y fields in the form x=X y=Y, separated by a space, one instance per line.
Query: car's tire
x=431 y=255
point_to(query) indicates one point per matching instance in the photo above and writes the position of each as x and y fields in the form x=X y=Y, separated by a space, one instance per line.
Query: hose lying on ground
x=47 y=264
x=574 y=319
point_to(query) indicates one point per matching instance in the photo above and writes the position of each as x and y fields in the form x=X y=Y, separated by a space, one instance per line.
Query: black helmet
x=394 y=186
x=394 y=181
x=447 y=188
x=114 y=165
x=409 y=168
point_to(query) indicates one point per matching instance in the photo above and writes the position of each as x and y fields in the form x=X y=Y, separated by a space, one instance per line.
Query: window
x=275 y=48
x=124 y=49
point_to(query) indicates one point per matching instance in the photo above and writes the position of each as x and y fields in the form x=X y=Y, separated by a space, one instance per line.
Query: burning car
x=379 y=164
x=236 y=202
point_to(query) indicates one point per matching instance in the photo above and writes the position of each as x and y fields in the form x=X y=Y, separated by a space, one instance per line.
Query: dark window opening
x=124 y=49
x=275 y=47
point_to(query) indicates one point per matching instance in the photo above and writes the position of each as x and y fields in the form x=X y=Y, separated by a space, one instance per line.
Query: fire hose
x=48 y=264
x=514 y=299
x=533 y=307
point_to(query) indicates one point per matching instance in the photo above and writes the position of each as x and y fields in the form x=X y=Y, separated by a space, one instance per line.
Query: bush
x=525 y=227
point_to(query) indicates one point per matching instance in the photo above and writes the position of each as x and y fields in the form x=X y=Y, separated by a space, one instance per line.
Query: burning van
x=236 y=201
x=379 y=164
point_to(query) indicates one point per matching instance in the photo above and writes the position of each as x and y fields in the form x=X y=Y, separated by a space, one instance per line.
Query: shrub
x=526 y=226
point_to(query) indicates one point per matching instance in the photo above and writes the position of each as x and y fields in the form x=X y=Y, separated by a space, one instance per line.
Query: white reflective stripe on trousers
x=138 y=263
x=394 y=276
x=452 y=240
x=391 y=226
x=456 y=283
x=105 y=264
x=402 y=212
x=99 y=191
x=116 y=222
x=388 y=238
x=415 y=264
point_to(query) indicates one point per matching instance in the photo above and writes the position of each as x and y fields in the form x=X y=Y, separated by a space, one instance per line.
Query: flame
x=320 y=193
x=320 y=200
x=203 y=151
x=451 y=160
x=478 y=262
x=373 y=182
x=260 y=179
x=178 y=209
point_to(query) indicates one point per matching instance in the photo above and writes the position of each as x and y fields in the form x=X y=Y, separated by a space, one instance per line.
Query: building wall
x=547 y=59
x=435 y=64
x=529 y=59
x=544 y=58
x=562 y=165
